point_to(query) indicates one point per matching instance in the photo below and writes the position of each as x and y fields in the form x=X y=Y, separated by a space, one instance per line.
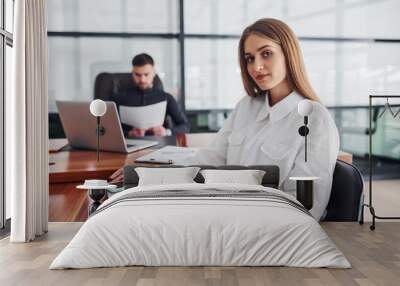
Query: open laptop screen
x=80 y=128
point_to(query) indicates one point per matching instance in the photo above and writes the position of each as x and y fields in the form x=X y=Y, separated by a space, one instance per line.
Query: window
x=150 y=16
x=6 y=29
x=93 y=36
x=209 y=63
x=72 y=75
x=350 y=47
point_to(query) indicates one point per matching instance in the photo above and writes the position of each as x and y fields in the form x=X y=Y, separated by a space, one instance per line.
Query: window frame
x=6 y=39
x=182 y=36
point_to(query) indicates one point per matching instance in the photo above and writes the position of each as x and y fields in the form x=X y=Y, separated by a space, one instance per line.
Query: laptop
x=80 y=128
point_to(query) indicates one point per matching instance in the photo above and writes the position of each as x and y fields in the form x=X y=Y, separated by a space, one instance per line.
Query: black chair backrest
x=270 y=179
x=108 y=84
x=347 y=188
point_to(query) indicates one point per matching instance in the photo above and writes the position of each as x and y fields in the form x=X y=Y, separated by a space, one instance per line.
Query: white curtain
x=27 y=123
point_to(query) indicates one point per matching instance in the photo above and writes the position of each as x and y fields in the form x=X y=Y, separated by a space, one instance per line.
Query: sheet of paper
x=143 y=116
x=170 y=155
x=56 y=145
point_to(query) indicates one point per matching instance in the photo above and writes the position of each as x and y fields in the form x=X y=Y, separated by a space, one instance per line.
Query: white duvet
x=200 y=231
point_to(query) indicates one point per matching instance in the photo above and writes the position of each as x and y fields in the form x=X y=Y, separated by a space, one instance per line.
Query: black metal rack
x=369 y=205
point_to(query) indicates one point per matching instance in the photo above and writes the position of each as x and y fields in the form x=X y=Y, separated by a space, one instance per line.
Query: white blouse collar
x=280 y=109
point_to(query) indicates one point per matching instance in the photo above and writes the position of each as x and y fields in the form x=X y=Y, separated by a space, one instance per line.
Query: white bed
x=245 y=225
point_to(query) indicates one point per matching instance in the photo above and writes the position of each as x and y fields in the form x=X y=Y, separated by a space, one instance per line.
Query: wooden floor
x=386 y=199
x=374 y=255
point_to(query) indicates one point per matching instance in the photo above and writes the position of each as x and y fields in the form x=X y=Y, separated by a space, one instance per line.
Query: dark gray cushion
x=270 y=179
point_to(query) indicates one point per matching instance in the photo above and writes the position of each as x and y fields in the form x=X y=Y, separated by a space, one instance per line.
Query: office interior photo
x=199 y=142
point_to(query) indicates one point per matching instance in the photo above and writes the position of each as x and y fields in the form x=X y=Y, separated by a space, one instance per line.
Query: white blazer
x=256 y=133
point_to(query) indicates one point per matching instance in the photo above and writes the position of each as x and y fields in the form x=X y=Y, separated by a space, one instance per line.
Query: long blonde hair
x=281 y=34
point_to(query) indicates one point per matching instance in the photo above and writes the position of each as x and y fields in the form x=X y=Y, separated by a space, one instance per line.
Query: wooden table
x=70 y=168
x=346 y=157
x=76 y=166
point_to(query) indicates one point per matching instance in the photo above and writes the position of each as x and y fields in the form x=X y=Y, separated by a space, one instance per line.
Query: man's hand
x=117 y=176
x=136 y=132
x=158 y=130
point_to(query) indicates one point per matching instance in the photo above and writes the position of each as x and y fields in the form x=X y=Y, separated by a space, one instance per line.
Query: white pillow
x=164 y=176
x=248 y=177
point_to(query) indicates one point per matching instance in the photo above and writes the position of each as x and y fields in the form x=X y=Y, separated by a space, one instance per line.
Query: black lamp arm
x=303 y=131
x=98 y=136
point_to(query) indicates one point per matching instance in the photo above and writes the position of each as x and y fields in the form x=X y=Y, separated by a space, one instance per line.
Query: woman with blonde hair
x=263 y=127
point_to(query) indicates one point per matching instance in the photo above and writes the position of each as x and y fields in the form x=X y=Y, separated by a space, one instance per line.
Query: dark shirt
x=137 y=97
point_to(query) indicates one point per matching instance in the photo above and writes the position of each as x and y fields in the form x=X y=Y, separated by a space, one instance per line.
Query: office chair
x=108 y=84
x=347 y=195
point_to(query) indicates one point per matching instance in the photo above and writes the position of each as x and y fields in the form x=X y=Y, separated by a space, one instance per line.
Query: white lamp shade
x=305 y=107
x=98 y=107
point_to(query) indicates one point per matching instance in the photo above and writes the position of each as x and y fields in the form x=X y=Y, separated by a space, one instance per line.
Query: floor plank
x=374 y=255
x=385 y=198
